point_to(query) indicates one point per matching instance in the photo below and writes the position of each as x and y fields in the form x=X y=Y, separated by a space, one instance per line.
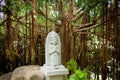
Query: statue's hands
x=52 y=52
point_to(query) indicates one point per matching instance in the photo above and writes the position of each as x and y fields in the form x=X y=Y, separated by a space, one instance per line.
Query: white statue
x=53 y=69
x=53 y=50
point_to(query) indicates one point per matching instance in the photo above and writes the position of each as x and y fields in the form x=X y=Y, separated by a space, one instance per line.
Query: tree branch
x=79 y=15
x=39 y=11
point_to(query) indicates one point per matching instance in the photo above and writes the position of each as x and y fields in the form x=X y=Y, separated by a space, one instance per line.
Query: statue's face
x=54 y=40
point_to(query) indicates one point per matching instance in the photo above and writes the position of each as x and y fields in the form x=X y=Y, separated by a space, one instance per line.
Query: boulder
x=31 y=72
x=5 y=76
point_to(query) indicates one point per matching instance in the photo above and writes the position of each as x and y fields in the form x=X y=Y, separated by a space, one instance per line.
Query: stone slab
x=54 y=71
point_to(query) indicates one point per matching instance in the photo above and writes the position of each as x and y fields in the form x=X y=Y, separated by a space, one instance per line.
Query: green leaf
x=73 y=77
x=81 y=74
x=72 y=65
x=77 y=74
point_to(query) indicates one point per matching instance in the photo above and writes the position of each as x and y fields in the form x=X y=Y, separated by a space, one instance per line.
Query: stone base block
x=54 y=73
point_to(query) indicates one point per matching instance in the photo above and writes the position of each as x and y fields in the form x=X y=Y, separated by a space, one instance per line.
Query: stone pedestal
x=54 y=73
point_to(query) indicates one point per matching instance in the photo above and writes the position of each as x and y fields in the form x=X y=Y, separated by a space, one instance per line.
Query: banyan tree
x=89 y=32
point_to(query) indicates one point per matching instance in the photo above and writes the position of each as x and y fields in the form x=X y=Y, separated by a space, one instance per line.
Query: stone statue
x=53 y=69
x=53 y=50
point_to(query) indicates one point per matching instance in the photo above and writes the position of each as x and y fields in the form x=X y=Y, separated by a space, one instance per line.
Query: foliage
x=88 y=4
x=77 y=74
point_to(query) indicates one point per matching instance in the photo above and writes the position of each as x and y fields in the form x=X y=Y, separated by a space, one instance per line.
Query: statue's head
x=54 y=40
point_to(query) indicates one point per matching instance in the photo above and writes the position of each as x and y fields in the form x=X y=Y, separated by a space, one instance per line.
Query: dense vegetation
x=89 y=32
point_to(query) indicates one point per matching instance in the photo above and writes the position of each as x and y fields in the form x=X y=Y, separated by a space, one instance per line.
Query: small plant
x=76 y=73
